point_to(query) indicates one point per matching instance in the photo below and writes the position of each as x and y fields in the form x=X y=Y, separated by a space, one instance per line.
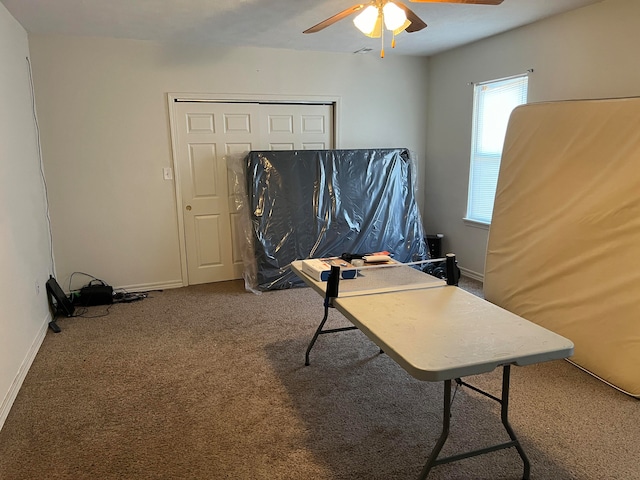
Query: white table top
x=441 y=332
x=376 y=279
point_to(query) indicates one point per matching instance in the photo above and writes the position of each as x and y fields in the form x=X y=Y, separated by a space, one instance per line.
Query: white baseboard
x=11 y=395
x=148 y=287
x=471 y=274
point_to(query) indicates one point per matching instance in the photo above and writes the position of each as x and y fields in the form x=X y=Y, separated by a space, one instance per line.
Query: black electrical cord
x=93 y=279
x=83 y=313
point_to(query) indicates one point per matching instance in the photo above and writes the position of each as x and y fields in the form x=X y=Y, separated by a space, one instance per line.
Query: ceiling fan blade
x=337 y=17
x=470 y=2
x=416 y=22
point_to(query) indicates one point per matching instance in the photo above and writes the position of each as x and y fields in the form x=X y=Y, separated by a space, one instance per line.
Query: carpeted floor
x=209 y=382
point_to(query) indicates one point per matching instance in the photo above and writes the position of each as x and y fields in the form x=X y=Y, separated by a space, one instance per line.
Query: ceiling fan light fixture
x=394 y=17
x=375 y=15
x=366 y=21
x=378 y=15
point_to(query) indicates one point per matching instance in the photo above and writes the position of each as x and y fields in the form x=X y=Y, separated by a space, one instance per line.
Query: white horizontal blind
x=493 y=103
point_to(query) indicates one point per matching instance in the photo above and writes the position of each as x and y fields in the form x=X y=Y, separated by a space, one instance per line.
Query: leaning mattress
x=564 y=244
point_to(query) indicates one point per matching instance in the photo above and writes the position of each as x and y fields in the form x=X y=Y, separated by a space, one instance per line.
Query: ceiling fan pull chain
x=393 y=40
x=382 y=42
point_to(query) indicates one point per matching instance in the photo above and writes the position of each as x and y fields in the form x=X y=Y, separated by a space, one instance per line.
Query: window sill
x=476 y=224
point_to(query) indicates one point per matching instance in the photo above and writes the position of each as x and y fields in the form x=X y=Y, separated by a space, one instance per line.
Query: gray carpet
x=208 y=382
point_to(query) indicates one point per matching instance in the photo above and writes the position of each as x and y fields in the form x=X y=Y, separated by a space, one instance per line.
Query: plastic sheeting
x=322 y=203
x=564 y=245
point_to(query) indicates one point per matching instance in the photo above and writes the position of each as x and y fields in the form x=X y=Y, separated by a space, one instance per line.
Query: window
x=493 y=103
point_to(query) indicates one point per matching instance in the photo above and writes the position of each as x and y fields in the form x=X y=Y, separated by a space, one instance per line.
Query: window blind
x=493 y=103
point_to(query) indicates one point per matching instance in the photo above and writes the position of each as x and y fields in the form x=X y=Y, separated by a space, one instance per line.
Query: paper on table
x=376 y=258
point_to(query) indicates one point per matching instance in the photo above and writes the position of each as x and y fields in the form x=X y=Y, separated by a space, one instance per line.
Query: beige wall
x=587 y=53
x=102 y=105
x=25 y=262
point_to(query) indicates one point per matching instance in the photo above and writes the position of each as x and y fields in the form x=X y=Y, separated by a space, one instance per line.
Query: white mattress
x=564 y=244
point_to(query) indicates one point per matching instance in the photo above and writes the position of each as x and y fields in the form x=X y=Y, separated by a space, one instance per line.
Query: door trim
x=173 y=98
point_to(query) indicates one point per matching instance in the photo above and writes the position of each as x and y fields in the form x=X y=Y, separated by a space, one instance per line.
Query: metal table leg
x=330 y=294
x=446 y=421
x=320 y=331
x=433 y=459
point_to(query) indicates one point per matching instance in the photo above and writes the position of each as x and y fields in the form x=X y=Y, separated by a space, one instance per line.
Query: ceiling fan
x=392 y=14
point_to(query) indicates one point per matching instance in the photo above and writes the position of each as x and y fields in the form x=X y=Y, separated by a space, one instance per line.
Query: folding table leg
x=331 y=293
x=318 y=331
x=433 y=459
x=446 y=422
x=504 y=415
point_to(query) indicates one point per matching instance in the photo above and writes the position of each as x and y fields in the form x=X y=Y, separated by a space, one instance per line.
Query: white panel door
x=206 y=132
x=297 y=127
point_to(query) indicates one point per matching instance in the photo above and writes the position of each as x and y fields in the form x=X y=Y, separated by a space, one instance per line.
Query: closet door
x=206 y=132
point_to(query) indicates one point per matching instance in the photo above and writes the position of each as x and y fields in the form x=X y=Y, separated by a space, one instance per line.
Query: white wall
x=587 y=53
x=24 y=239
x=106 y=137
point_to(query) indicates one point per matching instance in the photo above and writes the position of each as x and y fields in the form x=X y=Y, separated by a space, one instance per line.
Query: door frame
x=173 y=98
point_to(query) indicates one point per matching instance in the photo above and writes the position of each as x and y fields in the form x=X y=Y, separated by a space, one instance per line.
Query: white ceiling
x=273 y=23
